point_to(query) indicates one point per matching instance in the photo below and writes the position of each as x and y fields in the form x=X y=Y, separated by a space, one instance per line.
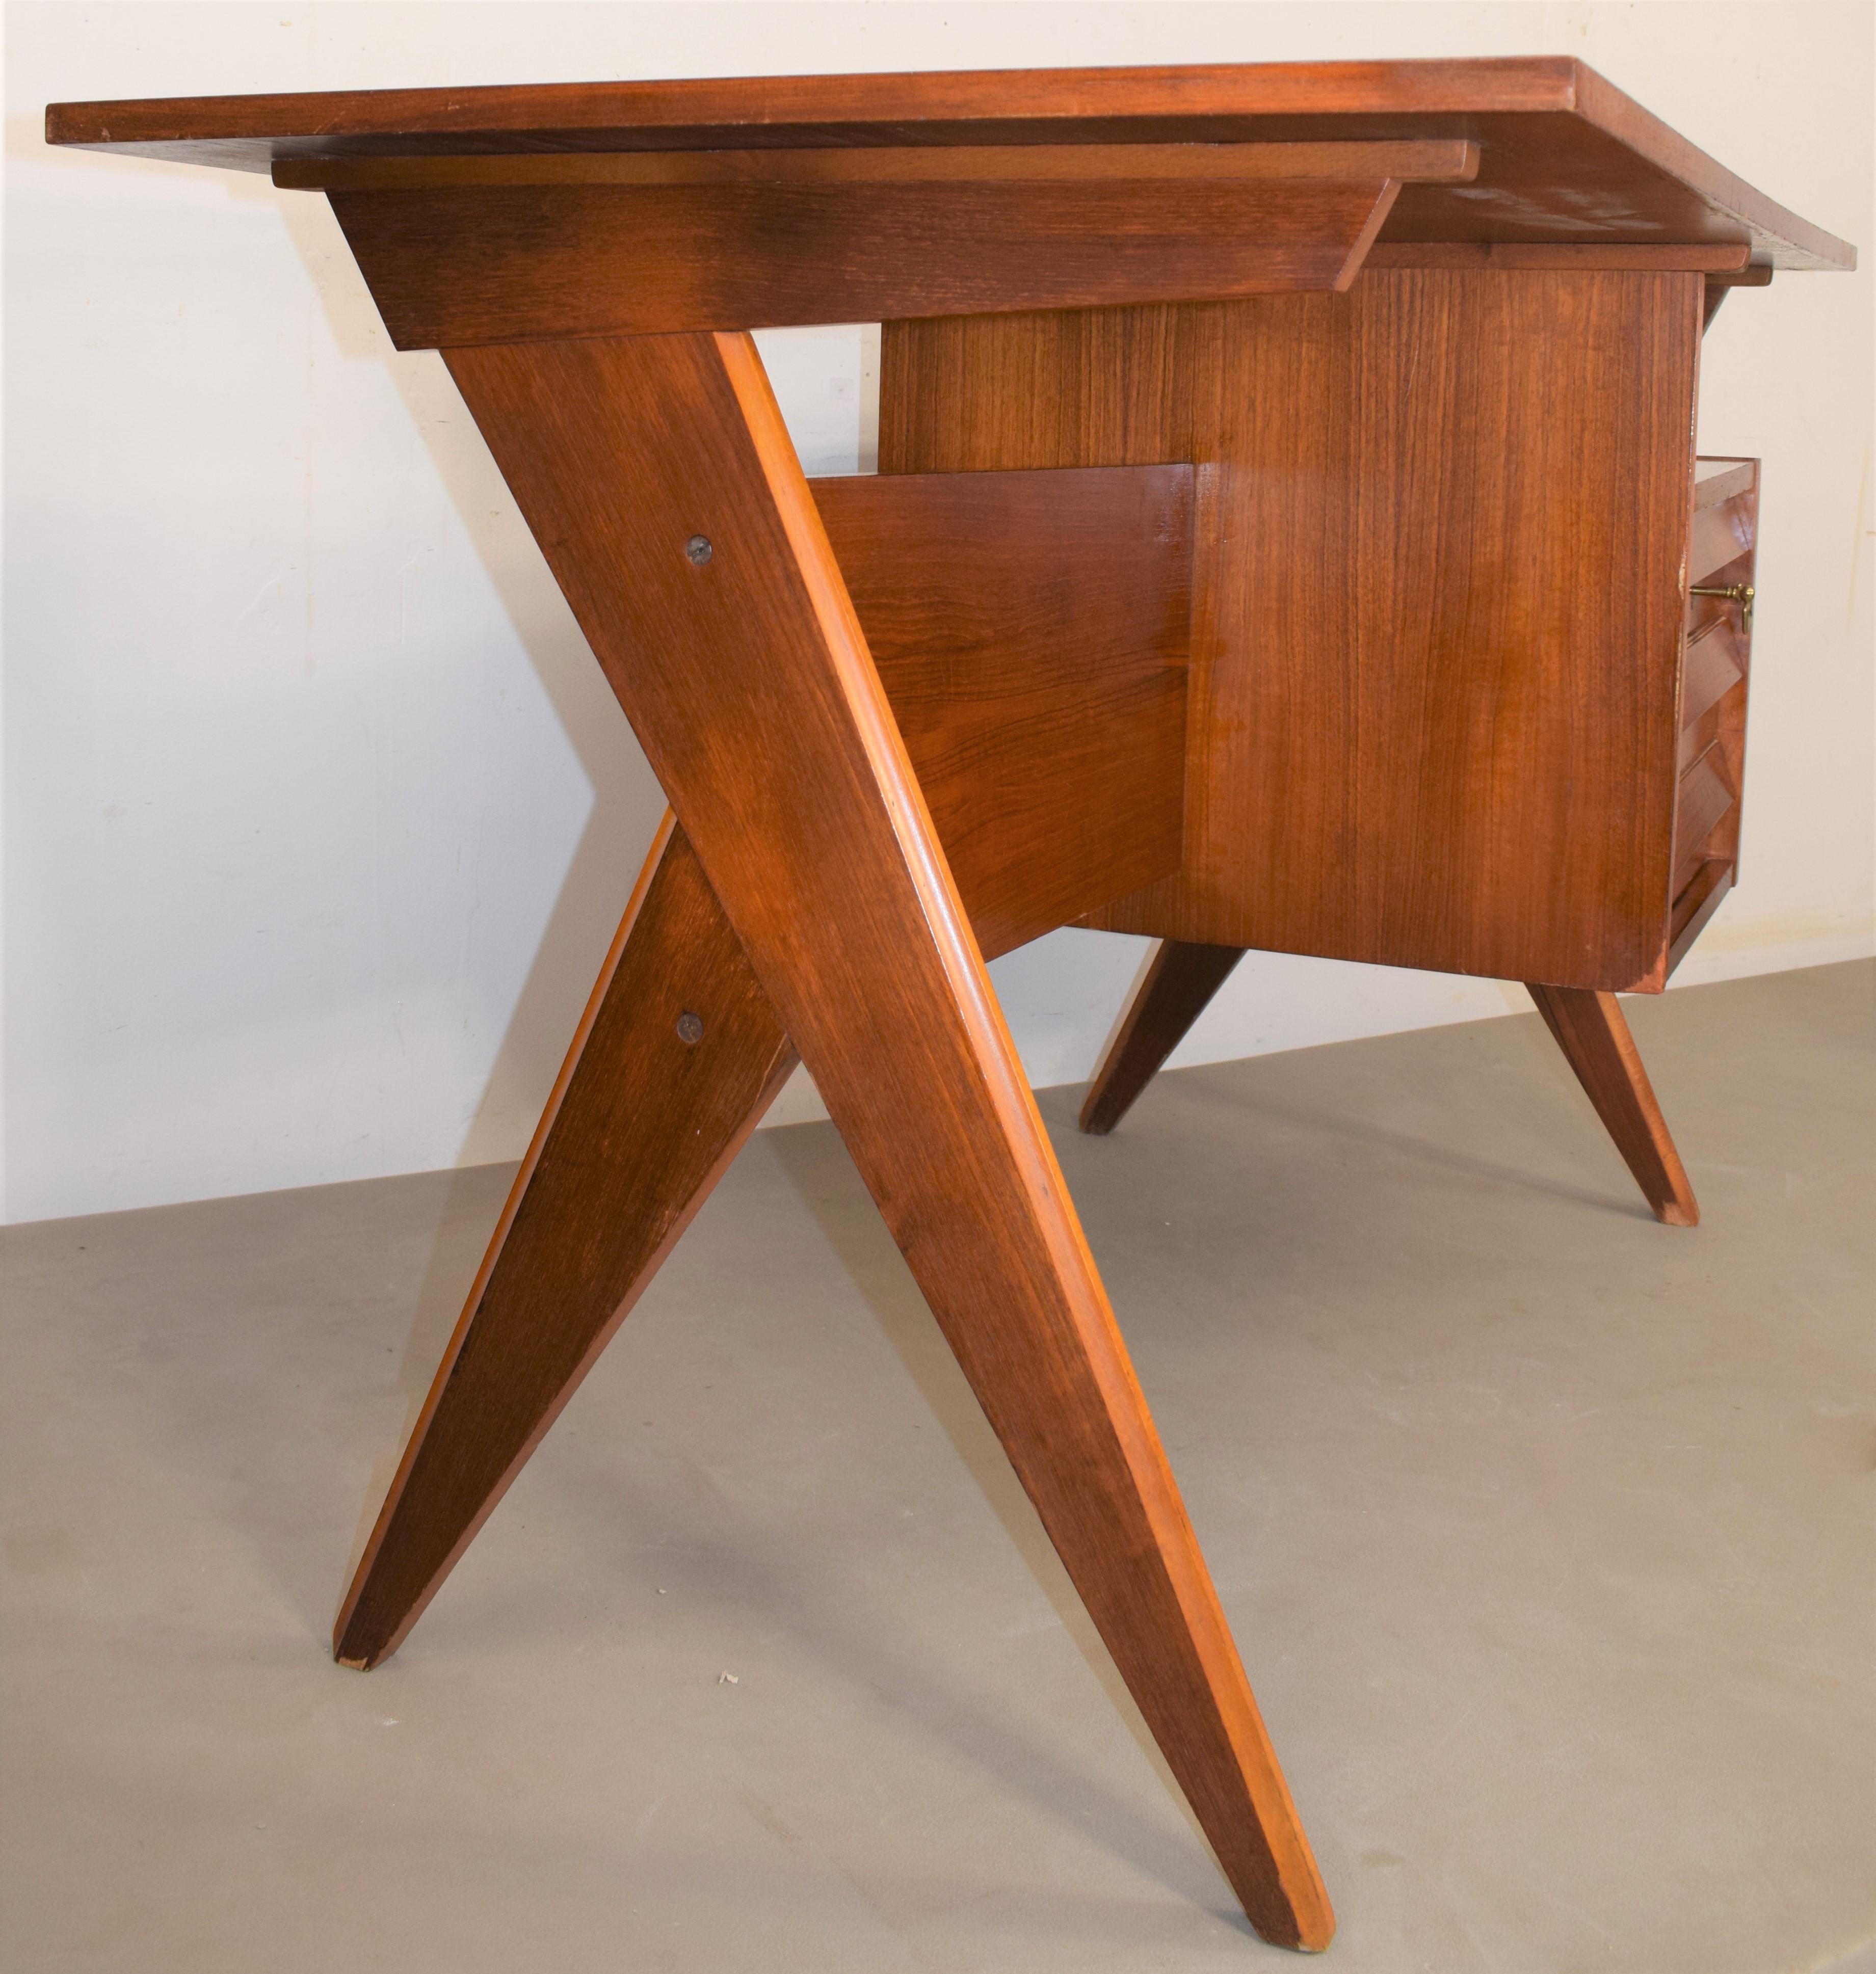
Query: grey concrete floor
x=1548 y=1534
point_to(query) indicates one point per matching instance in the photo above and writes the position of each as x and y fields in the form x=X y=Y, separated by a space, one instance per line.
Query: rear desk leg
x=1181 y=980
x=1590 y=1031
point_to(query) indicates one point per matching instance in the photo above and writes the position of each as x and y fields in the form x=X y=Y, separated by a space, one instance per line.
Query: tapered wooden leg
x=1181 y=980
x=678 y=1055
x=1594 y=1037
x=659 y=480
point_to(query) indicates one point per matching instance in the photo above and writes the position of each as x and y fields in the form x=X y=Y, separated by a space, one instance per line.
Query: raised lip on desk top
x=1489 y=100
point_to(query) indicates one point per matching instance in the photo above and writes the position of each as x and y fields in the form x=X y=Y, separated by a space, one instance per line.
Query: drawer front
x=1716 y=667
x=1703 y=819
x=1714 y=664
x=1721 y=535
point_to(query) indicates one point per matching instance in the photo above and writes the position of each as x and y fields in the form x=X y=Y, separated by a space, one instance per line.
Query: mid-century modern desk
x=1288 y=535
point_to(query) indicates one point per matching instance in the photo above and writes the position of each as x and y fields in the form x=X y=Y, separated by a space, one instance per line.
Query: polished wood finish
x=1443 y=159
x=1716 y=672
x=1565 y=155
x=1708 y=770
x=1705 y=800
x=641 y=1125
x=1704 y=895
x=1588 y=1027
x=1330 y=595
x=1755 y=274
x=1722 y=532
x=979 y=393
x=1535 y=257
x=749 y=683
x=1047 y=725
x=1590 y=1030
x=1177 y=988
x=454 y=266
x=1714 y=667
x=1458 y=751
x=1031 y=630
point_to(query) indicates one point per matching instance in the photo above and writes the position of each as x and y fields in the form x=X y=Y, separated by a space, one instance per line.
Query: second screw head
x=699 y=550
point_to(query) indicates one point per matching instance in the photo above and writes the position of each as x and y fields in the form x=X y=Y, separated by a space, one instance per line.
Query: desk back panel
x=1438 y=595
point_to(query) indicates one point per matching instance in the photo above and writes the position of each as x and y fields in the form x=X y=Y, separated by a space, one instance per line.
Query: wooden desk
x=1288 y=535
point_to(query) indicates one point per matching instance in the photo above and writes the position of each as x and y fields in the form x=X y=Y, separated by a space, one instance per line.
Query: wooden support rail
x=479 y=250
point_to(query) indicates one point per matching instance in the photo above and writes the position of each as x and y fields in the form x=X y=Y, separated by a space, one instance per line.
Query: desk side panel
x=1438 y=599
x=1031 y=631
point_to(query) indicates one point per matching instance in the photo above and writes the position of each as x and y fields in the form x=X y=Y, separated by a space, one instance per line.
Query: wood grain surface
x=1437 y=607
x=1177 y=986
x=1389 y=613
x=454 y=266
x=1704 y=801
x=1705 y=893
x=1532 y=257
x=749 y=683
x=1594 y=1036
x=641 y=1125
x=1446 y=160
x=1564 y=154
x=1031 y=630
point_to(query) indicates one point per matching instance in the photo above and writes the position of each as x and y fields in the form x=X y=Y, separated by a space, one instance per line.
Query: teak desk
x=1288 y=535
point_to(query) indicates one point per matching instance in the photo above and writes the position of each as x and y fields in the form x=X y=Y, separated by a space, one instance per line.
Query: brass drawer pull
x=1741 y=593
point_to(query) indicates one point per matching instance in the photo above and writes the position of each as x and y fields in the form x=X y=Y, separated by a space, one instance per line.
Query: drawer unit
x=1715 y=664
x=1444 y=710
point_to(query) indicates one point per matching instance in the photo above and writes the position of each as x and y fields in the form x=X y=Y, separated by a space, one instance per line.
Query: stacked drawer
x=1715 y=666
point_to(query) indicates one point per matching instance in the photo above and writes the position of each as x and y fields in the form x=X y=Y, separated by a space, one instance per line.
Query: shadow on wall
x=627 y=802
x=834 y=419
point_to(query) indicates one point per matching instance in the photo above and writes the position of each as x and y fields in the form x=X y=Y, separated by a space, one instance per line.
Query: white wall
x=317 y=815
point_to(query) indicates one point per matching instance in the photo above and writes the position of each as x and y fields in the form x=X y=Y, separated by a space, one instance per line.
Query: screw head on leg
x=690 y=1027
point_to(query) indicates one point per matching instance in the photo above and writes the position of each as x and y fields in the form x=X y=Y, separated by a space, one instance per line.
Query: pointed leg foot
x=678 y=1057
x=1181 y=980
x=1590 y=1030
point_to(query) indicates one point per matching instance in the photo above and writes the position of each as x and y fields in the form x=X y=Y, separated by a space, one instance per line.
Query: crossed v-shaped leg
x=660 y=482
x=644 y=1119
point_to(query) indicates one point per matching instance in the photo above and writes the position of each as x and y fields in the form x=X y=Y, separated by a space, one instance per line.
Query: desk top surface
x=1564 y=156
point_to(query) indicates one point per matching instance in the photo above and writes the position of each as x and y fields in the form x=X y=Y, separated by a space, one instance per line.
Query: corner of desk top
x=235 y=132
